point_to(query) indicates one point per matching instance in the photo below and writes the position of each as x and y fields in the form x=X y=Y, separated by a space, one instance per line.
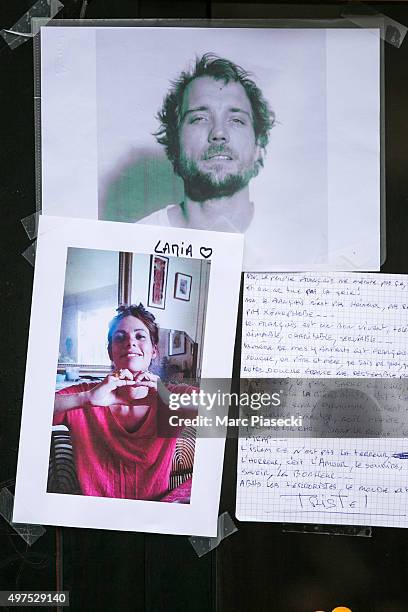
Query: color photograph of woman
x=116 y=426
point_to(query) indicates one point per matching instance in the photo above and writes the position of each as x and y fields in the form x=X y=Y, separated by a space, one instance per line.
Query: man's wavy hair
x=139 y=312
x=219 y=69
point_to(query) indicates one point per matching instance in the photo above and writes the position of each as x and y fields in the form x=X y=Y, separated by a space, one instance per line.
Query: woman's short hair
x=219 y=69
x=139 y=312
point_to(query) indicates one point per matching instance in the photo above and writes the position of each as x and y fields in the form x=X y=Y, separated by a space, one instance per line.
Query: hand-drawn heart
x=206 y=252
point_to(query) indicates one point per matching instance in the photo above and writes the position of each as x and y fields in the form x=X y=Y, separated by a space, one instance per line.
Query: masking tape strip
x=7 y=483
x=337 y=530
x=83 y=9
x=29 y=253
x=29 y=533
x=30 y=224
x=25 y=29
x=225 y=528
x=391 y=31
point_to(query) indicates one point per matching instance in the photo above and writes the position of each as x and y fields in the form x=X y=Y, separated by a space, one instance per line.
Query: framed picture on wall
x=158 y=281
x=177 y=342
x=182 y=286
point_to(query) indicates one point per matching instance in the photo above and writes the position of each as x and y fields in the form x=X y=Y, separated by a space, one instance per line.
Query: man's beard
x=200 y=185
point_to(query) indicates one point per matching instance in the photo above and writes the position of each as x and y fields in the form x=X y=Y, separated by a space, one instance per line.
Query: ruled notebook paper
x=326 y=326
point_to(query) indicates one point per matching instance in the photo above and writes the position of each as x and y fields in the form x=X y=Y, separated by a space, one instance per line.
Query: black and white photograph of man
x=215 y=126
x=273 y=133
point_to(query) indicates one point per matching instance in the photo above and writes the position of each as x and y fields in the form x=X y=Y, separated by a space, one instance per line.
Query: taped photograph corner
x=108 y=343
x=219 y=136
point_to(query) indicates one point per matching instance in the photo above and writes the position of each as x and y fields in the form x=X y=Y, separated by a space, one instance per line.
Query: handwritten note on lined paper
x=334 y=481
x=325 y=326
x=316 y=325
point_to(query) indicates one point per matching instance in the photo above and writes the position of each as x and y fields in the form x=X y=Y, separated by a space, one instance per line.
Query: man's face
x=218 y=149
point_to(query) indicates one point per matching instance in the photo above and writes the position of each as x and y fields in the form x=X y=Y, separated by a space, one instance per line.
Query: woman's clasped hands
x=123 y=387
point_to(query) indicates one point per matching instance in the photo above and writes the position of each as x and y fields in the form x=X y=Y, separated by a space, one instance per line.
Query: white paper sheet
x=327 y=326
x=317 y=198
x=32 y=502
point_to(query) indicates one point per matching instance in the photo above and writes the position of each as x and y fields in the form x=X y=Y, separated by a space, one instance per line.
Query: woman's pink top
x=112 y=462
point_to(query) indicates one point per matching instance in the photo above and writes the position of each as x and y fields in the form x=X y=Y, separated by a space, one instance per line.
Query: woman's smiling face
x=132 y=347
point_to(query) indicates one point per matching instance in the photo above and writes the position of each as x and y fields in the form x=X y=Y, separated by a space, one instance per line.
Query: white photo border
x=33 y=504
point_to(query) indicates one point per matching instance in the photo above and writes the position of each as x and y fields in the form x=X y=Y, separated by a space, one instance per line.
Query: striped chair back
x=183 y=458
x=62 y=477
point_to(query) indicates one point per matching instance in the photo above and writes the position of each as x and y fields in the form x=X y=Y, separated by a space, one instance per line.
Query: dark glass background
x=261 y=567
